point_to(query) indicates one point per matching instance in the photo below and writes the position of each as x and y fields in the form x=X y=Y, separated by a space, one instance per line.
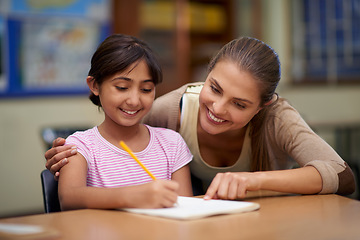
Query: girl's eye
x=214 y=89
x=121 y=88
x=147 y=90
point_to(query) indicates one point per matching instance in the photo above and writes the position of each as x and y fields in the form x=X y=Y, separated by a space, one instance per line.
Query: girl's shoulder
x=83 y=137
x=168 y=139
x=84 y=134
x=164 y=133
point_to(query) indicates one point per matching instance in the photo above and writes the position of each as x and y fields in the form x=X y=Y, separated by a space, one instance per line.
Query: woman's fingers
x=234 y=186
x=223 y=189
x=227 y=186
x=56 y=157
x=52 y=151
x=59 y=157
x=211 y=192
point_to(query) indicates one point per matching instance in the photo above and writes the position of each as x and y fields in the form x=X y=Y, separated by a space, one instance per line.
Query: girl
x=243 y=136
x=122 y=81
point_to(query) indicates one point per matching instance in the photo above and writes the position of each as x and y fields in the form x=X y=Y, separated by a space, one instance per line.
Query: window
x=326 y=41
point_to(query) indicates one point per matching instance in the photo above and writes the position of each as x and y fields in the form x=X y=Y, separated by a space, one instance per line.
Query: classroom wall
x=22 y=148
x=21 y=120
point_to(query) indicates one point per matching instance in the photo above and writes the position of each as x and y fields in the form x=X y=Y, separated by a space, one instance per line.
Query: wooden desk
x=280 y=217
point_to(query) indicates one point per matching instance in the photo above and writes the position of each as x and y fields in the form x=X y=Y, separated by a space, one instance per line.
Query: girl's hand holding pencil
x=161 y=193
x=155 y=194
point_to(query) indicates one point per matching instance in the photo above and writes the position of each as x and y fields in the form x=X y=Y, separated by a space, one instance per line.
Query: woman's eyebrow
x=216 y=83
x=237 y=99
x=244 y=100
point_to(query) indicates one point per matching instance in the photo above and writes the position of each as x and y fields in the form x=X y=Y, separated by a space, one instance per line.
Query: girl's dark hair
x=262 y=62
x=115 y=54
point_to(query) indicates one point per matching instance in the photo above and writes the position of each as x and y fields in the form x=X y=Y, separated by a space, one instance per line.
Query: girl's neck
x=137 y=137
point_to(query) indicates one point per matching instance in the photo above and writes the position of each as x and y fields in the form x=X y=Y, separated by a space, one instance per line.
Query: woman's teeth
x=215 y=118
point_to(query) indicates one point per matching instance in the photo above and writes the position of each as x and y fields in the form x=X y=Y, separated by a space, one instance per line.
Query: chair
x=49 y=185
x=50 y=192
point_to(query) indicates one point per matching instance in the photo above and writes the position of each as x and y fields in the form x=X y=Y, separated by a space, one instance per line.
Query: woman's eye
x=214 y=89
x=239 y=105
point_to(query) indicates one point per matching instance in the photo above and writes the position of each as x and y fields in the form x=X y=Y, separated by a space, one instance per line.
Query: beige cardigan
x=288 y=137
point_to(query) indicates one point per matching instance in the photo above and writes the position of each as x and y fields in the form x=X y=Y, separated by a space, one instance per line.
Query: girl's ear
x=94 y=87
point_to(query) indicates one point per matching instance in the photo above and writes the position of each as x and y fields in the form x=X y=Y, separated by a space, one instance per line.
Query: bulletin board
x=47 y=45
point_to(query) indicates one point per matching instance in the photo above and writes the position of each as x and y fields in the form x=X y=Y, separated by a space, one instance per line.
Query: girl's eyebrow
x=121 y=78
x=238 y=99
x=129 y=79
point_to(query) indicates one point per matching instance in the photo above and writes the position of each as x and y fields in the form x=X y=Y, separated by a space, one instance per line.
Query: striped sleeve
x=183 y=155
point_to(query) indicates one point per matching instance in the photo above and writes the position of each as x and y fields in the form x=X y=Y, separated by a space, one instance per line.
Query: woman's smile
x=213 y=118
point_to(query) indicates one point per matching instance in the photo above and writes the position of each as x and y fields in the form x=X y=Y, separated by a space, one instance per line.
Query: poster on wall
x=94 y=9
x=51 y=44
x=2 y=57
x=56 y=54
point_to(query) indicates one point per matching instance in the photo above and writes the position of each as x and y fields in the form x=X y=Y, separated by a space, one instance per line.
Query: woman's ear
x=94 y=87
x=274 y=99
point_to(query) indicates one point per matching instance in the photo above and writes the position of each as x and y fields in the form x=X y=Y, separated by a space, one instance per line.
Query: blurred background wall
x=312 y=42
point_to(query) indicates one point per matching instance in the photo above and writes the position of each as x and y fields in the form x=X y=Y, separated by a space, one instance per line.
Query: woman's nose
x=219 y=107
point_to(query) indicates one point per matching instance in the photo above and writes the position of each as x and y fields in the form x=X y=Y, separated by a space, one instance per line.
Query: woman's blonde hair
x=262 y=62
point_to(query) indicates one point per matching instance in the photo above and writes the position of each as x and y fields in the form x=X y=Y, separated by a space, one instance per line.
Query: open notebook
x=192 y=208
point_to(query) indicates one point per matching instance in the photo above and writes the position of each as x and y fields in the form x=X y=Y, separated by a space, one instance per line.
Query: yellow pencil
x=126 y=148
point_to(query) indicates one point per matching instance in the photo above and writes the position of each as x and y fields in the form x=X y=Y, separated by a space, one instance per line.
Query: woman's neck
x=229 y=136
x=220 y=150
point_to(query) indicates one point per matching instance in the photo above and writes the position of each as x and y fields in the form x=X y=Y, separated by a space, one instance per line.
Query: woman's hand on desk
x=56 y=157
x=304 y=180
x=232 y=185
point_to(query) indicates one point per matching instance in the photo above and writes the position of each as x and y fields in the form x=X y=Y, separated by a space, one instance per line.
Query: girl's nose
x=133 y=98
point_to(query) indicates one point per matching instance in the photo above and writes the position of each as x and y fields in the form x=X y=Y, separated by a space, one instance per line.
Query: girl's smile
x=130 y=113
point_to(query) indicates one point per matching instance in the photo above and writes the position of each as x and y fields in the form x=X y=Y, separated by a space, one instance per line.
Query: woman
x=242 y=135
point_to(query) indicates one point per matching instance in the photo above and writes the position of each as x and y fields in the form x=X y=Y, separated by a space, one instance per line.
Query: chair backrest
x=50 y=192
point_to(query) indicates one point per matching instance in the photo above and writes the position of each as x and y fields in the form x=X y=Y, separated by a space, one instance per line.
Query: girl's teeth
x=215 y=118
x=129 y=112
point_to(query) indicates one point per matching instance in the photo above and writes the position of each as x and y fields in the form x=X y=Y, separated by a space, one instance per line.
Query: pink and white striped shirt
x=110 y=166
